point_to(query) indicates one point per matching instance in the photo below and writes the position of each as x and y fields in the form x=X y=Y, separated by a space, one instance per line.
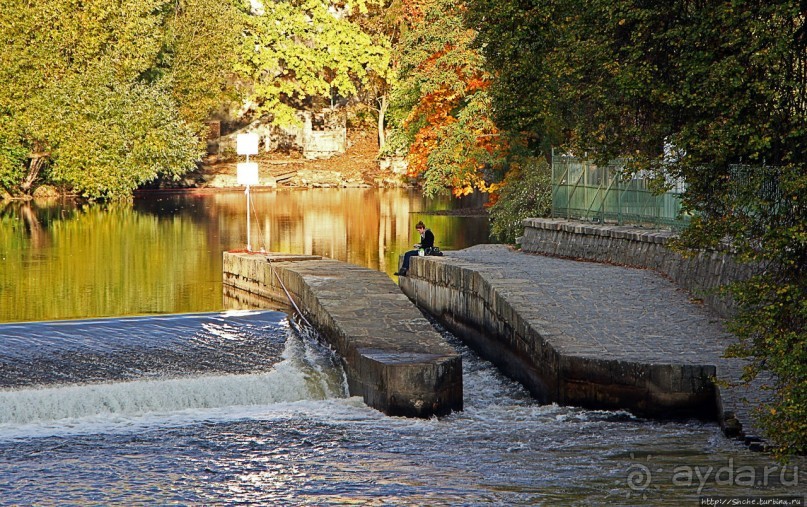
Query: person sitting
x=426 y=245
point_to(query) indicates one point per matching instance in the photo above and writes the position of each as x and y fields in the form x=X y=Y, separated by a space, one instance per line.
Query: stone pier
x=393 y=357
x=588 y=334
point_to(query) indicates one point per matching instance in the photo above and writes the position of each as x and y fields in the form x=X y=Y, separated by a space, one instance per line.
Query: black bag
x=434 y=251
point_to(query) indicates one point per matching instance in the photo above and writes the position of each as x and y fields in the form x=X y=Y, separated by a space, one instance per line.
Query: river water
x=163 y=253
x=164 y=397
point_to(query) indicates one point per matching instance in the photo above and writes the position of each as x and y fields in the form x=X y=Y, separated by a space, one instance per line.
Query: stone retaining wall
x=392 y=355
x=701 y=274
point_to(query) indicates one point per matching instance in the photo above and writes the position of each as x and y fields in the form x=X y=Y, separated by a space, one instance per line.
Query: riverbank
x=358 y=167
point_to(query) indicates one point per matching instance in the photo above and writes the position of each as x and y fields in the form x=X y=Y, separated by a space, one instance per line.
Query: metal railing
x=584 y=191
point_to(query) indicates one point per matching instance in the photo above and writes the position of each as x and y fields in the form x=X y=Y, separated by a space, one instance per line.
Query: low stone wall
x=701 y=274
x=392 y=355
x=492 y=314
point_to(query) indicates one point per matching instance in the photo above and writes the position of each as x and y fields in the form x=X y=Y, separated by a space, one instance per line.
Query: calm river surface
x=124 y=380
x=163 y=253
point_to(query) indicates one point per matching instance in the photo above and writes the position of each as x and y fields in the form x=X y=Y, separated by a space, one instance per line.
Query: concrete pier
x=587 y=334
x=393 y=357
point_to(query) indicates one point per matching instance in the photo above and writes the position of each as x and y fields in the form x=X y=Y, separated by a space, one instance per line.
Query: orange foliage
x=414 y=11
x=437 y=111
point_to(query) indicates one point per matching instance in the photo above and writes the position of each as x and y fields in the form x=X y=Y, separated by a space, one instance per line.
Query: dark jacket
x=427 y=240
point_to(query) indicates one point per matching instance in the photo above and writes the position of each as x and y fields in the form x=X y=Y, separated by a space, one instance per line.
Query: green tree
x=516 y=39
x=104 y=95
x=200 y=56
x=690 y=89
x=115 y=137
x=742 y=102
x=302 y=54
x=13 y=152
x=382 y=22
x=526 y=192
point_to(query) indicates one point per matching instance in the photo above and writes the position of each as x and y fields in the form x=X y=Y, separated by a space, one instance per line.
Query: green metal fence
x=582 y=190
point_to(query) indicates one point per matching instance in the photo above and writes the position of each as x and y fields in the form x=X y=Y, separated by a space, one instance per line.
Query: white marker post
x=247 y=172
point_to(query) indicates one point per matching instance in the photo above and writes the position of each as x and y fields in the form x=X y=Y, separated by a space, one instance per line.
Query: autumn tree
x=441 y=106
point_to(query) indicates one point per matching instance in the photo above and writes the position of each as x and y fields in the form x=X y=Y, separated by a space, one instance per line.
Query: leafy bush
x=12 y=153
x=526 y=192
x=762 y=210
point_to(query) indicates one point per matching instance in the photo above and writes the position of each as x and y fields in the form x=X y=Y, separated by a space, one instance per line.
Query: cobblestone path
x=614 y=312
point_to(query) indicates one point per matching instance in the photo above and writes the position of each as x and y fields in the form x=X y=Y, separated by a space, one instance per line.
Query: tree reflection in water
x=162 y=252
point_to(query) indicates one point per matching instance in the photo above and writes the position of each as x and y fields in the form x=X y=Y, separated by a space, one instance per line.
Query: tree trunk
x=382 y=111
x=37 y=161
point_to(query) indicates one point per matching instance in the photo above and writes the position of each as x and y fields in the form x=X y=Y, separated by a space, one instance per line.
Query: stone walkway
x=613 y=312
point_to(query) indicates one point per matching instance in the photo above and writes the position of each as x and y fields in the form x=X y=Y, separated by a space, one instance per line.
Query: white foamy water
x=284 y=433
x=308 y=372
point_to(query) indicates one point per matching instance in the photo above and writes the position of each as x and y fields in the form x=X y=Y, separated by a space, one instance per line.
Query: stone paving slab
x=605 y=312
